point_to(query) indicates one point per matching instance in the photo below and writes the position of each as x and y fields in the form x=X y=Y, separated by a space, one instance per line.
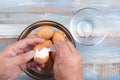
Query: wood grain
x=4 y=42
x=101 y=62
x=20 y=14
x=102 y=71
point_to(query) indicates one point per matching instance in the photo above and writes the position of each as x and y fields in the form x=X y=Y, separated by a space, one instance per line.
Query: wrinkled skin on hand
x=68 y=62
x=18 y=57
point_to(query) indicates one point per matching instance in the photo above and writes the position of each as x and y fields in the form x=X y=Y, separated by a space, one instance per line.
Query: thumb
x=23 y=58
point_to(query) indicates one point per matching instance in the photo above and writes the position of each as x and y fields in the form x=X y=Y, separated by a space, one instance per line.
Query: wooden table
x=101 y=62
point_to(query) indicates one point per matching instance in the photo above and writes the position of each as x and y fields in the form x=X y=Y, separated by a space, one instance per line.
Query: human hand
x=18 y=57
x=68 y=62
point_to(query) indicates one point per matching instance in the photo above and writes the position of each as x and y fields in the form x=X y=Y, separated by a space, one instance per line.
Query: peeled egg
x=30 y=36
x=46 y=32
x=41 y=54
x=58 y=36
x=47 y=43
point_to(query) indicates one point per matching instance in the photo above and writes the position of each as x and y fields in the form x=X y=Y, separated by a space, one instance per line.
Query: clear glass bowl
x=88 y=26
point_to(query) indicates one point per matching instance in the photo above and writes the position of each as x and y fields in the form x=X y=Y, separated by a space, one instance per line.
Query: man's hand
x=18 y=57
x=68 y=62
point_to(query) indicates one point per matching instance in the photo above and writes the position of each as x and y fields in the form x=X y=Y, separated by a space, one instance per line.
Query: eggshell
x=45 y=32
x=48 y=64
x=47 y=43
x=37 y=59
x=31 y=36
x=58 y=36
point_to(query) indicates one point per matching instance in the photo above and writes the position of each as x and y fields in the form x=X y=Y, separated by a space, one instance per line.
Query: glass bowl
x=44 y=74
x=88 y=26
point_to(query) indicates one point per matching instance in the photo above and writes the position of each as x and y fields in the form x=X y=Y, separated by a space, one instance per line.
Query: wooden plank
x=4 y=42
x=102 y=71
x=12 y=24
x=52 y=6
x=31 y=11
x=36 y=6
x=29 y=18
x=96 y=3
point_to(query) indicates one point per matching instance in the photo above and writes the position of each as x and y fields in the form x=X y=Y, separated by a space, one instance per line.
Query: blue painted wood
x=101 y=62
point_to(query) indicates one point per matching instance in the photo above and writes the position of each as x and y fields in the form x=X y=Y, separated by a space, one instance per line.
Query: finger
x=63 y=52
x=58 y=45
x=38 y=68
x=63 y=48
x=23 y=58
x=31 y=65
x=23 y=44
x=29 y=48
x=42 y=65
x=27 y=65
x=72 y=48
